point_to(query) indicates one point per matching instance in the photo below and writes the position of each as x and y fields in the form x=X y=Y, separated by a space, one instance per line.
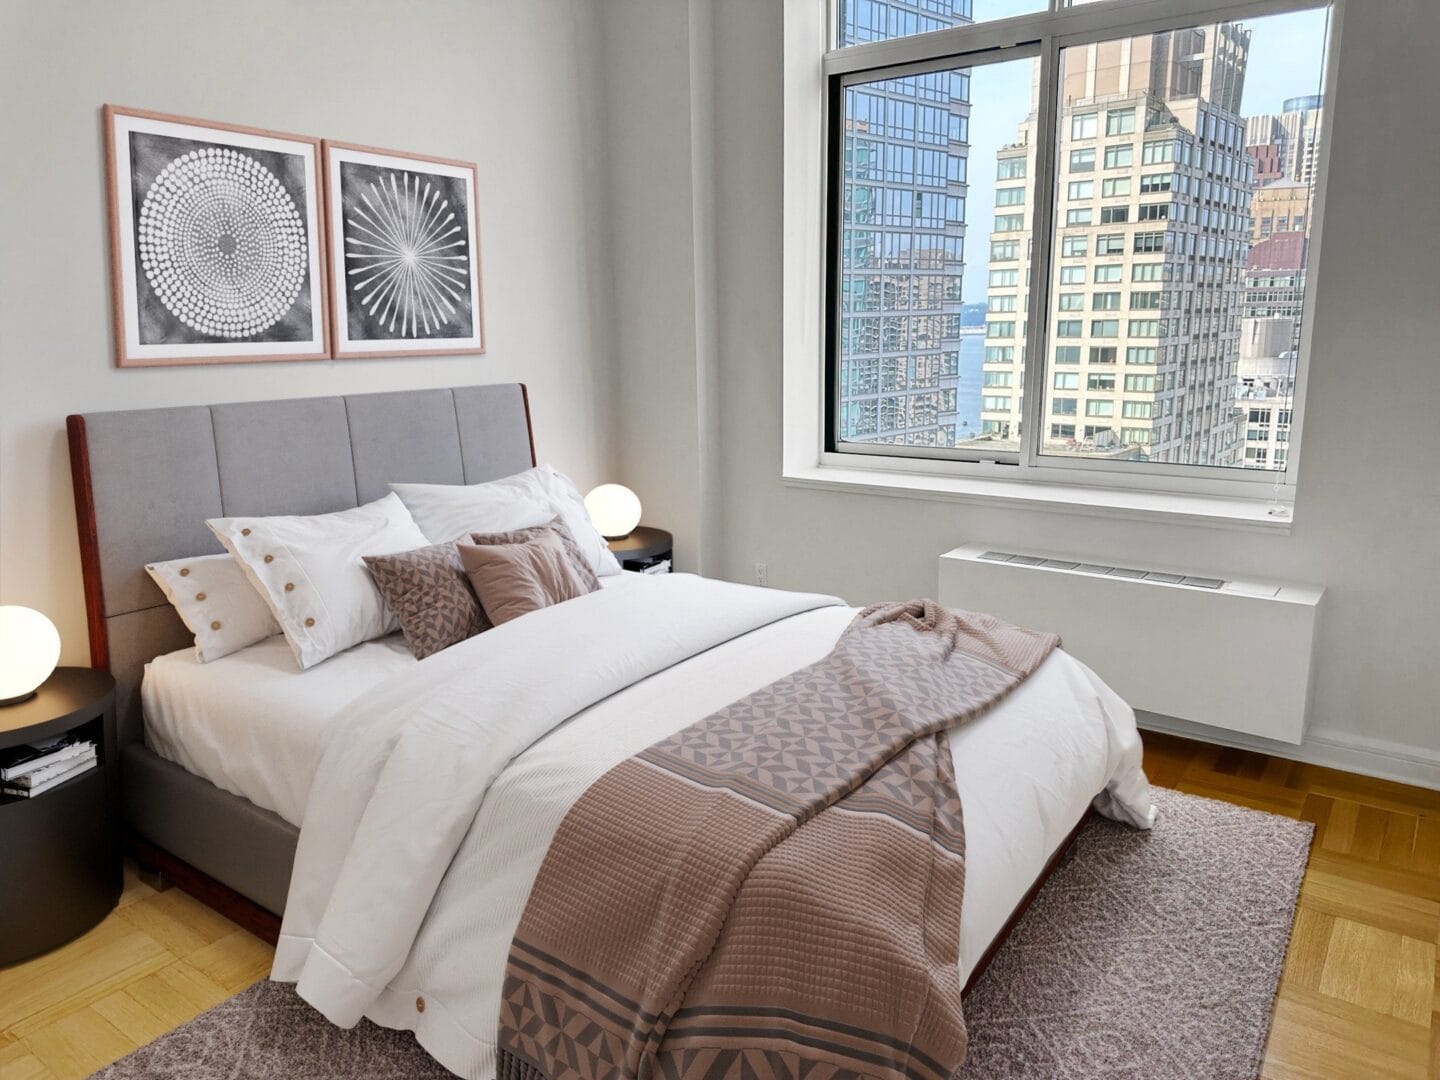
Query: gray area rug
x=1147 y=955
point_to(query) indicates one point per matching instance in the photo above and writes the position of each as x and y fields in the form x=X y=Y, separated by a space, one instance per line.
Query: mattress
x=253 y=724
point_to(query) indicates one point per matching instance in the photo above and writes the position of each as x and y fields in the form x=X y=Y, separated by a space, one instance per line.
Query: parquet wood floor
x=1358 y=998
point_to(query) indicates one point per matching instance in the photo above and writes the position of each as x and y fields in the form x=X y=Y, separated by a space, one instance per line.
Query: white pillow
x=448 y=512
x=216 y=602
x=309 y=571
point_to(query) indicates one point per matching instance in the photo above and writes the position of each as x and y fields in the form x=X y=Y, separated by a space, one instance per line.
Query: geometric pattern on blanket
x=776 y=889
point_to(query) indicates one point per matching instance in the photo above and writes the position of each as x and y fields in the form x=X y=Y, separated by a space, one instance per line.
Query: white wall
x=1368 y=512
x=511 y=86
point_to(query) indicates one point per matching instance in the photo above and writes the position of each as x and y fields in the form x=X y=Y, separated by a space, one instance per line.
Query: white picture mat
x=124 y=125
x=339 y=297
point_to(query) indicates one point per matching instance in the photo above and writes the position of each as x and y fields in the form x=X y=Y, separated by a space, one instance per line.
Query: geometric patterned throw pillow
x=429 y=593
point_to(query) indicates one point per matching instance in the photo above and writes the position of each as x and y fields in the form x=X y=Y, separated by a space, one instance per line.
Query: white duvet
x=433 y=807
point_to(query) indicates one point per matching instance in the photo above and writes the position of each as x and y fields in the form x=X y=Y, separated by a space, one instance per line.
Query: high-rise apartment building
x=906 y=142
x=1280 y=206
x=1152 y=223
x=1294 y=132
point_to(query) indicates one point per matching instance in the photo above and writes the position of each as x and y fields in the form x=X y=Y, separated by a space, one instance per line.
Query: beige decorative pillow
x=515 y=579
x=579 y=562
x=429 y=593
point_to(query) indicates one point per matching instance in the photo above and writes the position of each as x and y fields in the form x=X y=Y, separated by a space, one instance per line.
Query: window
x=1100 y=381
x=1013 y=168
x=1144 y=304
x=1119 y=121
x=1119 y=157
x=1157 y=153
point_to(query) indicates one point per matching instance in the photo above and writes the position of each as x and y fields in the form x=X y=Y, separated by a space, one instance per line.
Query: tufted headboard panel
x=146 y=480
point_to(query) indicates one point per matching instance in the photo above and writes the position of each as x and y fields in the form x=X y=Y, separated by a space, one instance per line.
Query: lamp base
x=18 y=700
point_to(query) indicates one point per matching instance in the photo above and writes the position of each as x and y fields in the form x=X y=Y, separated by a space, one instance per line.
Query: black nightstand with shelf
x=60 y=855
x=647 y=550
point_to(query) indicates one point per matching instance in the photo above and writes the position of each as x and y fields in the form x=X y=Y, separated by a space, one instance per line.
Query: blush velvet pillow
x=429 y=593
x=579 y=561
x=515 y=579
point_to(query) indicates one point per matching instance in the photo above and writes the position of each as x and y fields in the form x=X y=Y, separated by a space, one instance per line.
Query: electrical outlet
x=762 y=574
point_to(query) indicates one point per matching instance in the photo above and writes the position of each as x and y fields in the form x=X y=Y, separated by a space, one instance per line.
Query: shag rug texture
x=1147 y=955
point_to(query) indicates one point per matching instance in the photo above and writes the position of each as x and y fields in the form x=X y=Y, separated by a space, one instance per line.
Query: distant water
x=967 y=395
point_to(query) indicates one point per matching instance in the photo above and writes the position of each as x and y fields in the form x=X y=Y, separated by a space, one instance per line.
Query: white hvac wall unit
x=1229 y=654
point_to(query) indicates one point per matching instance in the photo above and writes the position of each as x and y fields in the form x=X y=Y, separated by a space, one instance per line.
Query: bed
x=220 y=760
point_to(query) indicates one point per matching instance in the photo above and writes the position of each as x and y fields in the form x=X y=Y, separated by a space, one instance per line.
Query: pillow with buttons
x=311 y=574
x=216 y=602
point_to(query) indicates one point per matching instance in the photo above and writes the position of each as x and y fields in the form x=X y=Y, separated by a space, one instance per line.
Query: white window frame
x=814 y=74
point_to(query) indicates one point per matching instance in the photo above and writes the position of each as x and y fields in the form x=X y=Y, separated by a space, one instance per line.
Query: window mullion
x=1037 y=343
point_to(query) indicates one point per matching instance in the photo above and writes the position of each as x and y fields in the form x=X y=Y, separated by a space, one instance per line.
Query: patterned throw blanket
x=775 y=890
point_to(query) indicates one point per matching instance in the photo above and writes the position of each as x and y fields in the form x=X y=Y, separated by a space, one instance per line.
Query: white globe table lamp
x=29 y=651
x=614 y=509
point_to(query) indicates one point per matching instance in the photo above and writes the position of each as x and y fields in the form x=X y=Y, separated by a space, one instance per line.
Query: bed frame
x=146 y=481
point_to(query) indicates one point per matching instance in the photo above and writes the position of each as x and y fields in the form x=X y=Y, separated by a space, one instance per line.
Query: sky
x=1286 y=57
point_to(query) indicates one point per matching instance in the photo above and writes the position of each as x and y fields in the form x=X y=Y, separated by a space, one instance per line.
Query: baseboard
x=1379 y=758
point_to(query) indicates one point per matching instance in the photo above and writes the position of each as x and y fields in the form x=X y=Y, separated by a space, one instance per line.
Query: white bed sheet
x=254 y=724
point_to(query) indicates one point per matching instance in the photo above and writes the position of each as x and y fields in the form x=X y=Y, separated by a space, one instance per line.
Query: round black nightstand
x=647 y=550
x=60 y=850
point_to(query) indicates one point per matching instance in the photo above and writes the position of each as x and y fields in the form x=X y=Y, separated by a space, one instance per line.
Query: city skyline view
x=954 y=390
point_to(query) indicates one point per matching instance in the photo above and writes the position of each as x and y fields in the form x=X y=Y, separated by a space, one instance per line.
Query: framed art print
x=215 y=236
x=404 y=253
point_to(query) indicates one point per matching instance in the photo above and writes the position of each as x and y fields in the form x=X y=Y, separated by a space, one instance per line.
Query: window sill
x=1216 y=511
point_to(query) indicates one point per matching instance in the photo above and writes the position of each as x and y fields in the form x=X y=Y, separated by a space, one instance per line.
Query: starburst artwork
x=216 y=236
x=405 y=262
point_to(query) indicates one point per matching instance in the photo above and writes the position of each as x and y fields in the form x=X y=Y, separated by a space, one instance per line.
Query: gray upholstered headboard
x=145 y=481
